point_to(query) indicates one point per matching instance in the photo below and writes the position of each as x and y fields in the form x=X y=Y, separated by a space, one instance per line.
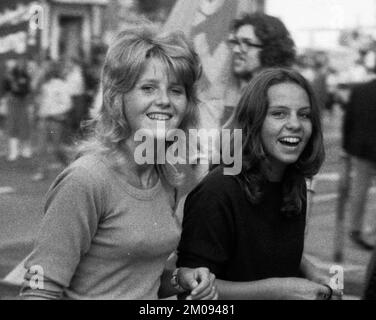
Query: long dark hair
x=249 y=116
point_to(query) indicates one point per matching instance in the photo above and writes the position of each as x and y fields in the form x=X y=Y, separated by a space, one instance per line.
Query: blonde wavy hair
x=124 y=63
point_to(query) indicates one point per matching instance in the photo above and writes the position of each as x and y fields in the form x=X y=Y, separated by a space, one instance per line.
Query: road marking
x=6 y=190
x=350 y=297
x=326 y=265
x=331 y=196
x=330 y=176
x=333 y=177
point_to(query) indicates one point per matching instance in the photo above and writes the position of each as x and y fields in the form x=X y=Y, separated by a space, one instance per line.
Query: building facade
x=57 y=28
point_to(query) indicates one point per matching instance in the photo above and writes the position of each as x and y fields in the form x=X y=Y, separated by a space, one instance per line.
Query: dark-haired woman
x=248 y=229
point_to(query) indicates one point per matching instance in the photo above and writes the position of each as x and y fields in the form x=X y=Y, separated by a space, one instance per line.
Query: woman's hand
x=303 y=289
x=313 y=273
x=199 y=282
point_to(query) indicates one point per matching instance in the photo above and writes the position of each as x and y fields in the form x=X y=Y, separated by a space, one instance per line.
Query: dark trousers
x=370 y=284
x=78 y=113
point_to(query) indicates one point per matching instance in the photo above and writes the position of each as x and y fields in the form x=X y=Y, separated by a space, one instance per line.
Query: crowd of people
x=43 y=106
x=114 y=228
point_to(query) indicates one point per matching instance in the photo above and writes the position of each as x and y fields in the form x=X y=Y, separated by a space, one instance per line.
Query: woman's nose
x=294 y=123
x=163 y=98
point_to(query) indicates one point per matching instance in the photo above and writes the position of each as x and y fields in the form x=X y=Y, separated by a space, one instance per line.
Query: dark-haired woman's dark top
x=235 y=239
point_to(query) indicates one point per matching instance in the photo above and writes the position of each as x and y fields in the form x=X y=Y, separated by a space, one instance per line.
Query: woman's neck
x=143 y=176
x=275 y=172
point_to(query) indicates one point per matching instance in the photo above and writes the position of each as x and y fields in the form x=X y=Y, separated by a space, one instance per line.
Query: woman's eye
x=305 y=116
x=177 y=91
x=147 y=89
x=278 y=114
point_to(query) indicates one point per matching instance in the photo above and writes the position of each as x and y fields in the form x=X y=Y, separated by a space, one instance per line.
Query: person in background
x=320 y=80
x=359 y=142
x=17 y=87
x=3 y=116
x=92 y=73
x=110 y=223
x=304 y=65
x=369 y=292
x=54 y=103
x=257 y=41
x=74 y=77
x=248 y=229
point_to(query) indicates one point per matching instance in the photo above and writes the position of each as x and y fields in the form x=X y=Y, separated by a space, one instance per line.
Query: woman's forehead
x=156 y=68
x=288 y=93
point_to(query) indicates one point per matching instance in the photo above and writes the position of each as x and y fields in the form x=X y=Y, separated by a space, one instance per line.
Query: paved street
x=322 y=224
x=21 y=204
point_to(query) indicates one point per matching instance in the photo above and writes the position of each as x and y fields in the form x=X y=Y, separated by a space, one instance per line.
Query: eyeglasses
x=244 y=43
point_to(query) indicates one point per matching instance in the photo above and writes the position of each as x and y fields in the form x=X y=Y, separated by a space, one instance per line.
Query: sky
x=302 y=15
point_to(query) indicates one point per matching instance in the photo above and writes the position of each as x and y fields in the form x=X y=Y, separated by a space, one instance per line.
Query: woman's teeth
x=159 y=116
x=290 y=141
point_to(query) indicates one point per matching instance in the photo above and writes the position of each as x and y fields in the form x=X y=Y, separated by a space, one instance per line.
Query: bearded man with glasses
x=257 y=41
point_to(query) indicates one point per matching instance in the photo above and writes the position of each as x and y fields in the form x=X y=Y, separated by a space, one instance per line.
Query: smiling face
x=245 y=60
x=287 y=127
x=157 y=102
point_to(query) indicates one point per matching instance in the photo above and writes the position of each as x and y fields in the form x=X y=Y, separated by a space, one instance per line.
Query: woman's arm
x=45 y=290
x=311 y=272
x=272 y=289
x=70 y=221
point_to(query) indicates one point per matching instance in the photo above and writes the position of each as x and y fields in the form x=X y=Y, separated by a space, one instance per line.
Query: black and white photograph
x=165 y=150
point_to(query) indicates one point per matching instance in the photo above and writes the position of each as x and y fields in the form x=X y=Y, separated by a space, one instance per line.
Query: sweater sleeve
x=208 y=228
x=72 y=213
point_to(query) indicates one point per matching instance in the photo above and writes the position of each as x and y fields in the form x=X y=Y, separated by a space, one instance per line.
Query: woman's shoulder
x=88 y=169
x=216 y=195
x=218 y=182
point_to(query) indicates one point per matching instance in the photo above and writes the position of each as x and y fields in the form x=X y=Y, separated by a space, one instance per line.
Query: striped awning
x=17 y=38
x=92 y=2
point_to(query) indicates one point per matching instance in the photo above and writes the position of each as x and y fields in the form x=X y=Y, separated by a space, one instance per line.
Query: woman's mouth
x=159 y=116
x=290 y=141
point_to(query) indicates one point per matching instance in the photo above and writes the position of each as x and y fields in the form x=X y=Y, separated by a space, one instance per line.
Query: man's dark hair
x=278 y=47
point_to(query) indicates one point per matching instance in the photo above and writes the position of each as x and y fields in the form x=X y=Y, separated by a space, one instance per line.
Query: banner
x=207 y=23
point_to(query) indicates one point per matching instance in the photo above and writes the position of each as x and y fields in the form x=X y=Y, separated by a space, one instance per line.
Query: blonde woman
x=109 y=224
